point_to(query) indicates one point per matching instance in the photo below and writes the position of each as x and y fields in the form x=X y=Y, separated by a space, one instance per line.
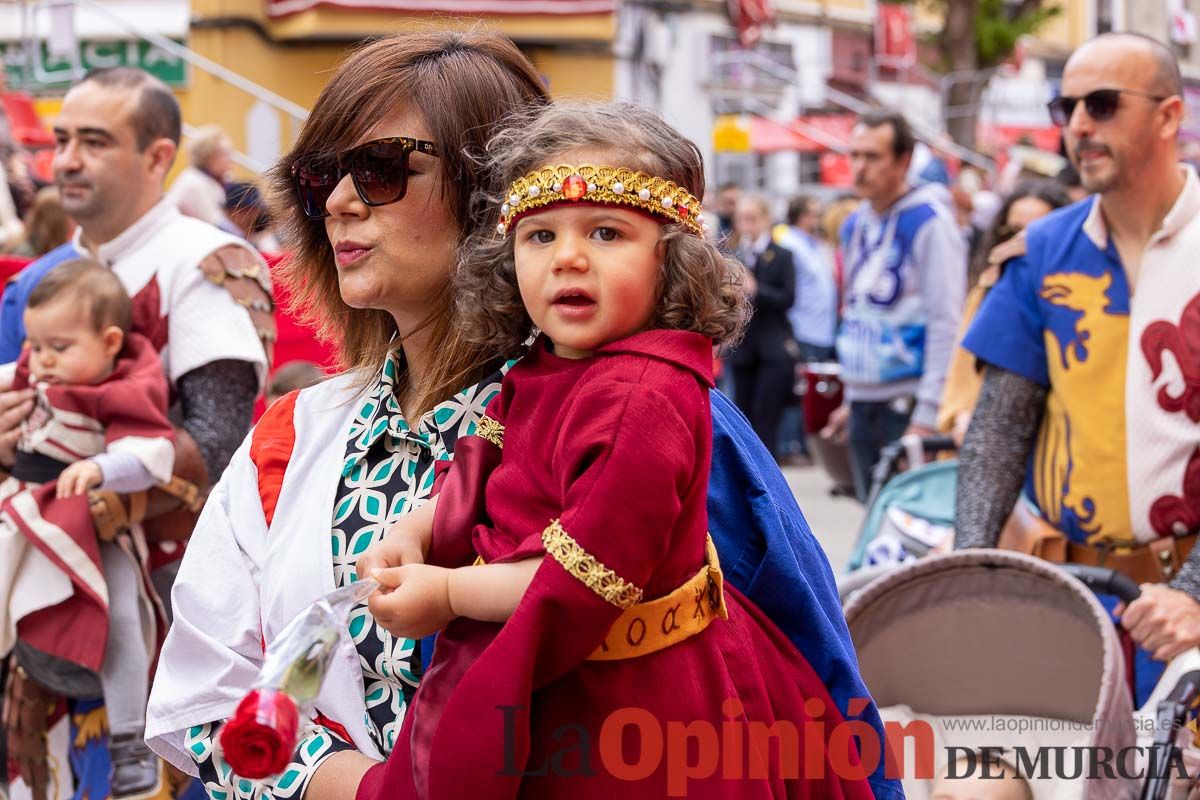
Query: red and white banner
x=895 y=45
x=749 y=17
x=281 y=8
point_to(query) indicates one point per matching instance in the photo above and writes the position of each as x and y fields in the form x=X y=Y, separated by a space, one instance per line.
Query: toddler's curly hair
x=699 y=289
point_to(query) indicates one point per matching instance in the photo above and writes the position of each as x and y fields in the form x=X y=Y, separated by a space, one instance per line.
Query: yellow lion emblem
x=1077 y=476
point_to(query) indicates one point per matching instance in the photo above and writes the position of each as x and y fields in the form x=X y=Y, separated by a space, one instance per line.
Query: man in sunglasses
x=1093 y=386
x=200 y=296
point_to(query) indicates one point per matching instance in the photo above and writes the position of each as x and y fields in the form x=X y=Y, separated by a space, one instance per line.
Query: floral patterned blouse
x=388 y=471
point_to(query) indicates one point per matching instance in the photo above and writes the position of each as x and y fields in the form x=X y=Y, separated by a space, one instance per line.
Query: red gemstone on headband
x=574 y=187
x=683 y=210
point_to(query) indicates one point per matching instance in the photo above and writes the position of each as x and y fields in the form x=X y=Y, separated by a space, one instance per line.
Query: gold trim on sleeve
x=491 y=431
x=582 y=565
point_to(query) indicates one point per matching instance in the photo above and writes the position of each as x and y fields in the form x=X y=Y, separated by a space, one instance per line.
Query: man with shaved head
x=1091 y=346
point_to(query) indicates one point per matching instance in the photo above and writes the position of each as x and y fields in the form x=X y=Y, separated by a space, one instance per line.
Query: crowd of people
x=523 y=443
x=881 y=282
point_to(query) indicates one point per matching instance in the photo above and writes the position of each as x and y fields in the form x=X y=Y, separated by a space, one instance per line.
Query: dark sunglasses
x=1100 y=104
x=378 y=169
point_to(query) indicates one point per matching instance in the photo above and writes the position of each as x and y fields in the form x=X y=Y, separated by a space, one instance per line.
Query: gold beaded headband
x=610 y=186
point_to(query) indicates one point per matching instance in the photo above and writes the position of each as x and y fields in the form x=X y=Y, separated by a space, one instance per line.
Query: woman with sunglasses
x=376 y=197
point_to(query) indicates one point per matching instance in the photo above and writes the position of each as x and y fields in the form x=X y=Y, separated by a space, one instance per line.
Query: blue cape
x=769 y=553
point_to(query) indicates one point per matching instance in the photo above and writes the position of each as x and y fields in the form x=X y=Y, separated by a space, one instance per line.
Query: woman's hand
x=414 y=601
x=962 y=421
x=406 y=542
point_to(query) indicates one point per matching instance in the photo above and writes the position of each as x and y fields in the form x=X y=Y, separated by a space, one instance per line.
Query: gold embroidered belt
x=657 y=624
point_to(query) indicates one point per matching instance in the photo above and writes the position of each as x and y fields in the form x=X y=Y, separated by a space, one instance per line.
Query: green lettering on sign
x=55 y=72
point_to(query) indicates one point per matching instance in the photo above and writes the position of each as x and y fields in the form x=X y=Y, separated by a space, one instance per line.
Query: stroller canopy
x=990 y=632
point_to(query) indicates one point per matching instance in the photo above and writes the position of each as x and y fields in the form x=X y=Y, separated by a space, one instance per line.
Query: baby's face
x=975 y=787
x=65 y=347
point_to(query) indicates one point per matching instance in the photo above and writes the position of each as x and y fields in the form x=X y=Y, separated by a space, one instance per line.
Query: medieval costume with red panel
x=201 y=297
x=600 y=466
x=126 y=413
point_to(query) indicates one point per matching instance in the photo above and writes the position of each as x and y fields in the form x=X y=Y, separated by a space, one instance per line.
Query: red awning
x=280 y=8
x=769 y=136
x=815 y=133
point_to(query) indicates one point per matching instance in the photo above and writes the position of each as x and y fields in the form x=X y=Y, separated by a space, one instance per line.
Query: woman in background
x=1028 y=202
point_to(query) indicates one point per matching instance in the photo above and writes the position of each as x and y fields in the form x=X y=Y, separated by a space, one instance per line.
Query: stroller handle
x=1104 y=581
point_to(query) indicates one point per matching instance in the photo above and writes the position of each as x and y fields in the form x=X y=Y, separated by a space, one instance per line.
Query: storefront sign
x=54 y=72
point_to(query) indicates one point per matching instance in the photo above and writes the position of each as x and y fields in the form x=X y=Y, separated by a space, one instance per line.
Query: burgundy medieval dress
x=601 y=466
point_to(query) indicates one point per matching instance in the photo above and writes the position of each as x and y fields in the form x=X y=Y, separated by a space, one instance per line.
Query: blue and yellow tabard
x=1117 y=458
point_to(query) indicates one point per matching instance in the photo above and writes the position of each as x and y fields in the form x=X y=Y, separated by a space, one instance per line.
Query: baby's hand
x=406 y=542
x=414 y=601
x=78 y=478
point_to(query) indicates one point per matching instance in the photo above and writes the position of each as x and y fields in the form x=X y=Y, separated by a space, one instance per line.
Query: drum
x=822 y=394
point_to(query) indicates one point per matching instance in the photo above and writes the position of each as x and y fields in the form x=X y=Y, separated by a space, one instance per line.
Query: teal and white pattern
x=388 y=470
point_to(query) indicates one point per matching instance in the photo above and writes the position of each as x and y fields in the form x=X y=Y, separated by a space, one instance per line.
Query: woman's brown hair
x=700 y=289
x=463 y=83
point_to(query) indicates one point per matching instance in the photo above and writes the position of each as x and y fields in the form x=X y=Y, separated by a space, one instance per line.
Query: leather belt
x=1155 y=562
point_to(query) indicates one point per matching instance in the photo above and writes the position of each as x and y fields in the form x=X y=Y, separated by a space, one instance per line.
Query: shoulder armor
x=246 y=279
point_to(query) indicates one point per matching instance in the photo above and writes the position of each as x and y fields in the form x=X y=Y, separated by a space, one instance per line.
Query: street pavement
x=834 y=520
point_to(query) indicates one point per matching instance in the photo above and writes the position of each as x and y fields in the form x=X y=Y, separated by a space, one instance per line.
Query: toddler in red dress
x=589 y=644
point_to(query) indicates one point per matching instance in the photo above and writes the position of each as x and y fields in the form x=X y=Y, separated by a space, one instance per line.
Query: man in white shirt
x=117 y=137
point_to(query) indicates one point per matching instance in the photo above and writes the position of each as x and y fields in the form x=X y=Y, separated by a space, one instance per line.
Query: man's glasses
x=1100 y=104
x=378 y=169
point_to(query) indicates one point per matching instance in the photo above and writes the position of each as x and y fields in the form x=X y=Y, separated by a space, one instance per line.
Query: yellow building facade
x=293 y=55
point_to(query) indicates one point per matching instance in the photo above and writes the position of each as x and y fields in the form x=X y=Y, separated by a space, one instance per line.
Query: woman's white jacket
x=243 y=578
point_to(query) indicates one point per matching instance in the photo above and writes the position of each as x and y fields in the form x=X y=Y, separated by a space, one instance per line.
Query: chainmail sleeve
x=217 y=402
x=992 y=463
x=1188 y=579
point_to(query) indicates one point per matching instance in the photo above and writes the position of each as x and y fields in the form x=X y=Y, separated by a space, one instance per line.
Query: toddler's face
x=588 y=275
x=65 y=348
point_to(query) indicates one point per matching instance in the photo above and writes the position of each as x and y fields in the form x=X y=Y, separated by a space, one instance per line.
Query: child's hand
x=78 y=478
x=406 y=542
x=415 y=600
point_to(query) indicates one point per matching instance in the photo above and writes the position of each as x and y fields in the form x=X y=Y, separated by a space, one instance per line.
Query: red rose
x=258 y=741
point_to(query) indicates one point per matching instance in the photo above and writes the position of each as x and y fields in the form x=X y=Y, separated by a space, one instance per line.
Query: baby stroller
x=910 y=508
x=988 y=648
